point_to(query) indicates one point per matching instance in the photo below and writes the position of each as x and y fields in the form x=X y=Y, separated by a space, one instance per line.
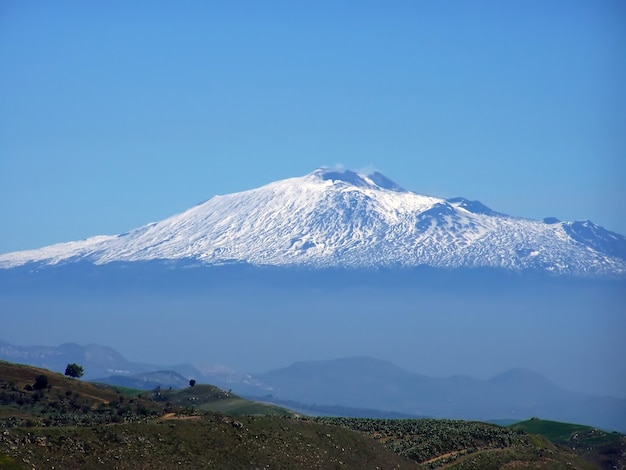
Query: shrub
x=41 y=382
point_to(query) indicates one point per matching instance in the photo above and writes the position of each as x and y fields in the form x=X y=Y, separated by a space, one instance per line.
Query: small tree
x=192 y=382
x=41 y=382
x=74 y=370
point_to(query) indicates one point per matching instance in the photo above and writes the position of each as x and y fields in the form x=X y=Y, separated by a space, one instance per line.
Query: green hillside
x=71 y=424
x=605 y=449
x=566 y=433
x=211 y=398
x=64 y=401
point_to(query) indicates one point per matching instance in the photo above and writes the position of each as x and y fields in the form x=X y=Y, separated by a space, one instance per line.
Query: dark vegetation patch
x=463 y=444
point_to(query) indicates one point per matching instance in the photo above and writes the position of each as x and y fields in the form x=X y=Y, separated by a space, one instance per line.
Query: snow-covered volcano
x=333 y=218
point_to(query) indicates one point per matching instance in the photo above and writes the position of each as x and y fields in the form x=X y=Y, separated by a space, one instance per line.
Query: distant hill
x=375 y=384
x=147 y=380
x=211 y=398
x=313 y=409
x=97 y=360
x=104 y=364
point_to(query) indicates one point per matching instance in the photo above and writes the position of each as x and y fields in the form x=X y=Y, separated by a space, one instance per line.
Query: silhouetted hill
x=374 y=384
x=97 y=360
x=147 y=380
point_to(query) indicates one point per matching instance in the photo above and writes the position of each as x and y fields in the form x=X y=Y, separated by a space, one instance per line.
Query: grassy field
x=210 y=398
x=566 y=433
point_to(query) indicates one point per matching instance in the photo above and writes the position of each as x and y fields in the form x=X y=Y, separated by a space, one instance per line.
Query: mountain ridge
x=340 y=218
x=367 y=383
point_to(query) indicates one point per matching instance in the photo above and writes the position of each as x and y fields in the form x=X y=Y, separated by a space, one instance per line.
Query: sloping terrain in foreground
x=464 y=444
x=71 y=424
x=605 y=449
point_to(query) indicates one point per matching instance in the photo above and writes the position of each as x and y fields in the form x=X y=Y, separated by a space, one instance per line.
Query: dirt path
x=459 y=453
x=174 y=416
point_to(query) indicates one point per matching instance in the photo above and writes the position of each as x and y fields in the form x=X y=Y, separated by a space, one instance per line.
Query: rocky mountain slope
x=344 y=219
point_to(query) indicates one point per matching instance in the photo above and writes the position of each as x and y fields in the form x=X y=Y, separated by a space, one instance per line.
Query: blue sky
x=115 y=114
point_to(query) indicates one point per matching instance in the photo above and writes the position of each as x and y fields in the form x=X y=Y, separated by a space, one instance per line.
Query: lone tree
x=192 y=382
x=74 y=370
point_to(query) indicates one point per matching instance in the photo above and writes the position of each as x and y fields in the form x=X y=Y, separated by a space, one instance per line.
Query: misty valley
x=446 y=337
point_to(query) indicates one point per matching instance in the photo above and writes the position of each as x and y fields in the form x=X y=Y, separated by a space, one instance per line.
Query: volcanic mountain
x=332 y=218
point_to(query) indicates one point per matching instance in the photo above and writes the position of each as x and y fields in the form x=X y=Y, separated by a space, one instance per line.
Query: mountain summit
x=340 y=218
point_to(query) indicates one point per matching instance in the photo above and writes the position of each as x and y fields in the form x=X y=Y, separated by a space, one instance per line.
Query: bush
x=41 y=382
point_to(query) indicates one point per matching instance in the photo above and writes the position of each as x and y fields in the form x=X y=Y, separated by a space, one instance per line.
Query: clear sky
x=115 y=114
